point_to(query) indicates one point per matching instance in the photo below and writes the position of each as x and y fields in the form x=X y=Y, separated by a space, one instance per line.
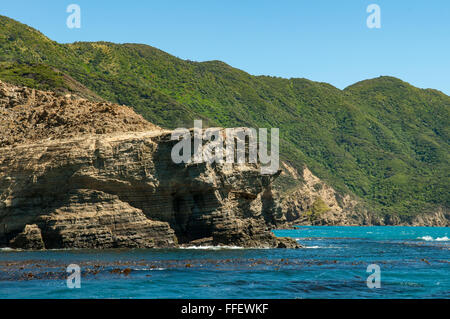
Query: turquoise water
x=414 y=263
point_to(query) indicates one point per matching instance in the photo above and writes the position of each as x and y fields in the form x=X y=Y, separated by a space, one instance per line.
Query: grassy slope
x=382 y=139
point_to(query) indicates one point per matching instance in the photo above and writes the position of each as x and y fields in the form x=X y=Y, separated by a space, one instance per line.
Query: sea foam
x=212 y=247
x=429 y=238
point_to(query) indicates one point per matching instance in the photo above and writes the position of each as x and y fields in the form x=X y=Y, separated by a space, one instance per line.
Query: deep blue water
x=414 y=263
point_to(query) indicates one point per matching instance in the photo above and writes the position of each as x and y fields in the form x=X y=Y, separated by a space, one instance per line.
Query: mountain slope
x=382 y=139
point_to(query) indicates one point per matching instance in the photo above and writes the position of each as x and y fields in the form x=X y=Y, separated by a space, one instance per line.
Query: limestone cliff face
x=109 y=181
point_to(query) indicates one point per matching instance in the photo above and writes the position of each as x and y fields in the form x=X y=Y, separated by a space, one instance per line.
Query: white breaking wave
x=322 y=247
x=212 y=247
x=147 y=269
x=429 y=238
x=10 y=249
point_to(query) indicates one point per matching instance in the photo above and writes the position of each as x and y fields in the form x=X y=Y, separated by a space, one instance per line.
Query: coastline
x=332 y=265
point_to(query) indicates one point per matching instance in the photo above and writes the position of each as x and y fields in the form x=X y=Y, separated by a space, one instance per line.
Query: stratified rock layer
x=113 y=183
x=316 y=203
x=30 y=238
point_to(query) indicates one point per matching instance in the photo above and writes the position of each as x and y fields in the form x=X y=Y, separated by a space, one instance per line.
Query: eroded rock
x=29 y=238
x=110 y=181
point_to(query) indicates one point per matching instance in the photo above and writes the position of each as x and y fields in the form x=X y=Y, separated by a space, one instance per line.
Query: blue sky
x=322 y=40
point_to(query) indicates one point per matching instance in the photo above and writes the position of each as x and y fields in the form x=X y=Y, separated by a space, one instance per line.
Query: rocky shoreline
x=78 y=174
x=82 y=174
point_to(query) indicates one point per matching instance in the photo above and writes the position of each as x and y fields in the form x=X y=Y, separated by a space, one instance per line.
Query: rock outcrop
x=316 y=203
x=30 y=238
x=78 y=174
x=28 y=115
x=435 y=218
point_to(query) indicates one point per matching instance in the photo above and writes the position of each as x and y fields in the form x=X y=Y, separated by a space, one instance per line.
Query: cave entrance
x=192 y=216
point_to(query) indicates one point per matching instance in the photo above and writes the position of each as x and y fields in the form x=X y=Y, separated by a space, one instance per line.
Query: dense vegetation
x=381 y=139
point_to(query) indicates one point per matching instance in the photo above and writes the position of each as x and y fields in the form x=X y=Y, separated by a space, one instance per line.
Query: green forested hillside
x=381 y=139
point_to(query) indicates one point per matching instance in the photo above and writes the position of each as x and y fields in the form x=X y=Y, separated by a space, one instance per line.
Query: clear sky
x=322 y=40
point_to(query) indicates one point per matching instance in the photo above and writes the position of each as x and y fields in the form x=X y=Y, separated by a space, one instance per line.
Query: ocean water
x=414 y=263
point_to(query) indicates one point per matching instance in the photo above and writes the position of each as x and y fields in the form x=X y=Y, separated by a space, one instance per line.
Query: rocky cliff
x=316 y=203
x=79 y=174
